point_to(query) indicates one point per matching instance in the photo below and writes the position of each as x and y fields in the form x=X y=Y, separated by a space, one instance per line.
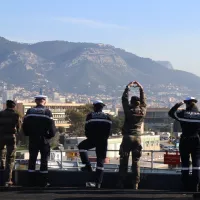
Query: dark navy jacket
x=38 y=122
x=189 y=120
x=98 y=125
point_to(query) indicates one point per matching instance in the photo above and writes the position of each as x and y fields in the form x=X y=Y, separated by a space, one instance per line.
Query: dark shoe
x=87 y=168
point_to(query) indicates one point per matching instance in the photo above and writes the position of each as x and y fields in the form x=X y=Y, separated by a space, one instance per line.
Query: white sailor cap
x=40 y=97
x=98 y=102
x=190 y=99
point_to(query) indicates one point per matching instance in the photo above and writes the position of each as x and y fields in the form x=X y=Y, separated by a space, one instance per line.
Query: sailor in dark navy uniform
x=39 y=125
x=189 y=119
x=97 y=131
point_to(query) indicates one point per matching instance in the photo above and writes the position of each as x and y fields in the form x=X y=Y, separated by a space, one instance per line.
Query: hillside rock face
x=166 y=64
x=83 y=68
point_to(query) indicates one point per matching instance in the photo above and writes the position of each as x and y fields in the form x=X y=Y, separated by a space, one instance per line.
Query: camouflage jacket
x=134 y=117
x=9 y=122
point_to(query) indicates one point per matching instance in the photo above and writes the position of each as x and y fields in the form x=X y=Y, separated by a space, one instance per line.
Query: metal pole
x=61 y=160
x=152 y=155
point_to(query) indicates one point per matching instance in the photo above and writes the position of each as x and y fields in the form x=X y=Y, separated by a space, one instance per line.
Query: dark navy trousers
x=101 y=149
x=36 y=146
x=190 y=146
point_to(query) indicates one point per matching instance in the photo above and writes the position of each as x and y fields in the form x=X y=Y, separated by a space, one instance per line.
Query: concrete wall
x=159 y=181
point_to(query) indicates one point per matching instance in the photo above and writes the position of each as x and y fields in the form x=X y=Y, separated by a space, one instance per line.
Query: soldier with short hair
x=131 y=131
x=9 y=127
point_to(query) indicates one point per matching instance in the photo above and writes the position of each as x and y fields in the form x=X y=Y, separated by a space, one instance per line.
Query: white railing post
x=61 y=160
x=152 y=156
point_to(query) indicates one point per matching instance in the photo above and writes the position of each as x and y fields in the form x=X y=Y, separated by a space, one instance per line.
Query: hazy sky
x=158 y=29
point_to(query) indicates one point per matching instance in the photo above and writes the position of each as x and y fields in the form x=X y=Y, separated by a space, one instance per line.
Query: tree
x=55 y=140
x=77 y=121
x=61 y=129
x=76 y=118
x=117 y=123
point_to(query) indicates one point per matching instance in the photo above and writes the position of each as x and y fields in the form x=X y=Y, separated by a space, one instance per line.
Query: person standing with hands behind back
x=40 y=127
x=131 y=131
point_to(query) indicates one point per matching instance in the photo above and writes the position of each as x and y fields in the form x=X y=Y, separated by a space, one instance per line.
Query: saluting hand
x=180 y=103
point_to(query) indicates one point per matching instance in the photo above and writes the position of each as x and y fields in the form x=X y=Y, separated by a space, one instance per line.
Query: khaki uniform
x=9 y=126
x=131 y=132
x=131 y=144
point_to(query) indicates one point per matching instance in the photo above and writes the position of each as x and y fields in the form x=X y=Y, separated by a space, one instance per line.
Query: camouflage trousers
x=130 y=144
x=7 y=155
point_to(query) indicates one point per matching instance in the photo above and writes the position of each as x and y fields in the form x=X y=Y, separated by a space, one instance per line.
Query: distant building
x=158 y=120
x=110 y=112
x=8 y=95
x=177 y=126
x=56 y=97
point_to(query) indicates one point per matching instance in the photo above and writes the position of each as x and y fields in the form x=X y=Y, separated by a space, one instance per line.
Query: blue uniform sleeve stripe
x=185 y=119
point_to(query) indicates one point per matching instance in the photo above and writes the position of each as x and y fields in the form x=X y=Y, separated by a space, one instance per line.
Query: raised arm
x=142 y=97
x=125 y=97
x=143 y=104
x=172 y=112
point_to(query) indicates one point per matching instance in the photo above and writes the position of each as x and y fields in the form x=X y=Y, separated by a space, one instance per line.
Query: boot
x=87 y=168
x=8 y=184
x=7 y=178
x=135 y=186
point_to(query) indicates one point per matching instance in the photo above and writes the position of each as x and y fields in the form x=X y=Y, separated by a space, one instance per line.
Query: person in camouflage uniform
x=131 y=131
x=9 y=126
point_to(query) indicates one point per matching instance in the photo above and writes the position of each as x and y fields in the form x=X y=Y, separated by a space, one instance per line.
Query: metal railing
x=151 y=161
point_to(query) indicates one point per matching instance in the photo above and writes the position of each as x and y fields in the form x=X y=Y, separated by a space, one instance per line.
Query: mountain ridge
x=85 y=68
